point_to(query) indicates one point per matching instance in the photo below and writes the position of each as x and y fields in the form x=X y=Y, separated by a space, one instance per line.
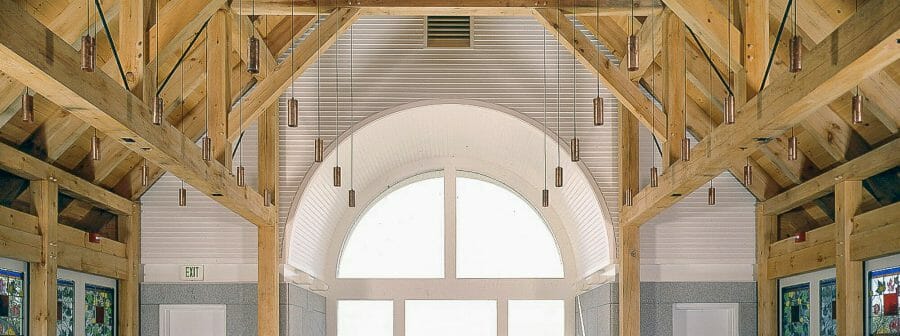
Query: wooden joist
x=876 y=233
x=439 y=7
x=612 y=77
x=36 y=57
x=865 y=46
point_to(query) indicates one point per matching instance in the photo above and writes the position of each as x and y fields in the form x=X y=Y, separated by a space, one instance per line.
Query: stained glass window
x=99 y=311
x=12 y=302
x=795 y=310
x=827 y=308
x=884 y=315
x=65 y=308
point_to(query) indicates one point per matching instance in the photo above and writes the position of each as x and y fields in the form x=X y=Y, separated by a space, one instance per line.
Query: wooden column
x=847 y=200
x=129 y=227
x=674 y=95
x=629 y=237
x=132 y=40
x=756 y=41
x=267 y=295
x=42 y=274
x=219 y=90
x=766 y=289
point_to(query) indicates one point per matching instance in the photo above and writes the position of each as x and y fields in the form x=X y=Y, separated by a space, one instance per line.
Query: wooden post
x=674 y=98
x=267 y=296
x=629 y=160
x=629 y=245
x=133 y=37
x=129 y=227
x=766 y=289
x=848 y=198
x=756 y=44
x=42 y=274
x=220 y=86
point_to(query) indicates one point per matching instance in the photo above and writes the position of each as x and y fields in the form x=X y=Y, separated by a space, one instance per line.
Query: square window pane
x=451 y=318
x=365 y=318
x=537 y=318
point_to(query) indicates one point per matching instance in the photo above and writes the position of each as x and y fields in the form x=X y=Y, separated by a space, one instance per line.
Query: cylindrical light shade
x=182 y=197
x=576 y=150
x=857 y=109
x=628 y=198
x=267 y=197
x=598 y=111
x=320 y=150
x=686 y=149
x=351 y=198
x=796 y=54
x=95 y=148
x=337 y=176
x=88 y=49
x=145 y=175
x=293 y=113
x=253 y=55
x=748 y=173
x=711 y=196
x=241 y=176
x=27 y=107
x=654 y=177
x=206 y=148
x=633 y=53
x=792 y=148
x=559 y=177
x=728 y=112
x=545 y=198
x=158 y=110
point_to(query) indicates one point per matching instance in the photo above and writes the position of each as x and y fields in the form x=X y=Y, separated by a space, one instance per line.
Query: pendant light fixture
x=685 y=140
x=158 y=105
x=796 y=46
x=573 y=144
x=27 y=106
x=654 y=173
x=711 y=194
x=88 y=44
x=145 y=174
x=792 y=146
x=598 y=100
x=857 y=107
x=559 y=169
x=206 y=142
x=182 y=192
x=728 y=110
x=182 y=195
x=632 y=43
x=293 y=105
x=545 y=193
x=336 y=171
x=748 y=173
x=253 y=43
x=628 y=198
x=351 y=194
x=320 y=145
x=240 y=171
x=95 y=146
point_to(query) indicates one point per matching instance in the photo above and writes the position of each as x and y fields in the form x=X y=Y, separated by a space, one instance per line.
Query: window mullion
x=450 y=223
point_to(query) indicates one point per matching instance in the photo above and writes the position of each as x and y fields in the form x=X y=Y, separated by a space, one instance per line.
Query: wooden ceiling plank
x=612 y=77
x=40 y=59
x=866 y=46
x=279 y=38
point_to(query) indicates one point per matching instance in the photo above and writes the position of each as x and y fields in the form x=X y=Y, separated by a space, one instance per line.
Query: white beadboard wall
x=391 y=68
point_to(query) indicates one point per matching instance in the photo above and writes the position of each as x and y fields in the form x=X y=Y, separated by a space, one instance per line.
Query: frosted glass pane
x=499 y=235
x=537 y=318
x=401 y=236
x=451 y=318
x=365 y=318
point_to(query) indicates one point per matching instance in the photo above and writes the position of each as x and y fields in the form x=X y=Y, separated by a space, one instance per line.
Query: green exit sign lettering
x=191 y=273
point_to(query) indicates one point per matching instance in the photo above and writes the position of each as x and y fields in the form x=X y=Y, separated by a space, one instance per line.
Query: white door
x=191 y=320
x=705 y=319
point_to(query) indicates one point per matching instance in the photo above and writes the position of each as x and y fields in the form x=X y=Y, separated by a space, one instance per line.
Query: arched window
x=451 y=253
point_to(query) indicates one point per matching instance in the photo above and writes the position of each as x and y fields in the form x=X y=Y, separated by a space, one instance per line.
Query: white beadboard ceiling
x=391 y=68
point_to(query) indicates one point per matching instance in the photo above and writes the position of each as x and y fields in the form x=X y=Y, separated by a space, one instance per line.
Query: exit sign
x=191 y=273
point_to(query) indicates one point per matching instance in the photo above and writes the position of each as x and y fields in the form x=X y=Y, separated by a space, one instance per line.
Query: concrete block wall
x=302 y=311
x=600 y=305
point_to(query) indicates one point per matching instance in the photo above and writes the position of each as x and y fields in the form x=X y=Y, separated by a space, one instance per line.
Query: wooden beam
x=279 y=38
x=612 y=77
x=756 y=41
x=630 y=282
x=708 y=23
x=766 y=288
x=875 y=233
x=805 y=260
x=129 y=227
x=438 y=7
x=39 y=59
x=270 y=89
x=219 y=90
x=861 y=168
x=19 y=236
x=675 y=78
x=652 y=39
x=865 y=46
x=848 y=198
x=180 y=21
x=42 y=274
x=133 y=40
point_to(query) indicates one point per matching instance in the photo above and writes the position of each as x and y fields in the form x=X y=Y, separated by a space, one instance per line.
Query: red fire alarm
x=94 y=237
x=800 y=237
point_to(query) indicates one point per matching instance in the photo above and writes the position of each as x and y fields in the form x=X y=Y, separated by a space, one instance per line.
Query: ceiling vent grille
x=448 y=32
